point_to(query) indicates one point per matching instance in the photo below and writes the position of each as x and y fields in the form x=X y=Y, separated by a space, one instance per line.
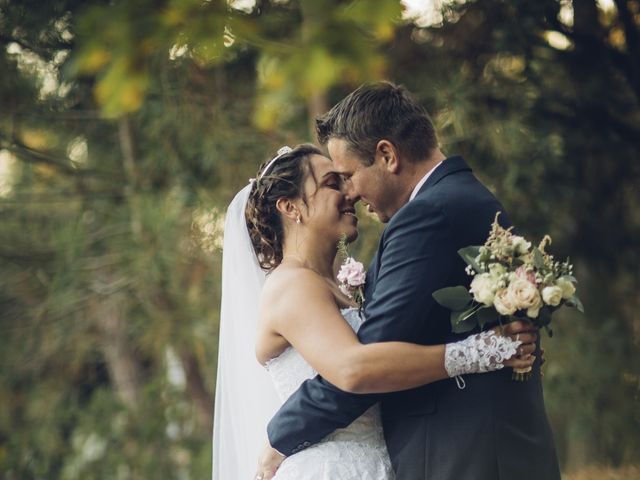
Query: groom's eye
x=344 y=178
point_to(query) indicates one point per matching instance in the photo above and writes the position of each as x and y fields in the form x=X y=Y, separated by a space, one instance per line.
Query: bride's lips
x=351 y=212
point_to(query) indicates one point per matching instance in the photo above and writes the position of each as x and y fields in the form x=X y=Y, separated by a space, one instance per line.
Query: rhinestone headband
x=281 y=151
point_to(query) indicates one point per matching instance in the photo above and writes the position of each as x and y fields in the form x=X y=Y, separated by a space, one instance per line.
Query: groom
x=494 y=428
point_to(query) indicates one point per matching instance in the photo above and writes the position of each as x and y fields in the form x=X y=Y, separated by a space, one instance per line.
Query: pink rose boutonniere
x=351 y=276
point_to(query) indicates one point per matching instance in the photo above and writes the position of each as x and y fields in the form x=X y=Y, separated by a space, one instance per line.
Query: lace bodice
x=357 y=452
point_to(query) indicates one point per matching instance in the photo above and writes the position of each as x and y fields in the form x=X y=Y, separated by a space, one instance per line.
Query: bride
x=287 y=223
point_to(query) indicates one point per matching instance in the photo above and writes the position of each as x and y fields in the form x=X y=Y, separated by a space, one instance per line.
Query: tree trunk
x=316 y=105
x=123 y=367
x=196 y=387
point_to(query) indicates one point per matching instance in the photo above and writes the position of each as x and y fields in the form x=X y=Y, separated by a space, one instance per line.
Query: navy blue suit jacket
x=495 y=428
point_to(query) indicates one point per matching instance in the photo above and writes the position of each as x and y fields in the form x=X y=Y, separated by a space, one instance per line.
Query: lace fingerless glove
x=479 y=353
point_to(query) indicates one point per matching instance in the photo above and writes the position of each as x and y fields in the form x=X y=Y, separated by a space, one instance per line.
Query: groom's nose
x=351 y=193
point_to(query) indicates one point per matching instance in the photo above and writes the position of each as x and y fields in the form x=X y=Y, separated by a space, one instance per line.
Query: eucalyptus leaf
x=463 y=321
x=453 y=298
x=469 y=255
x=487 y=315
x=575 y=302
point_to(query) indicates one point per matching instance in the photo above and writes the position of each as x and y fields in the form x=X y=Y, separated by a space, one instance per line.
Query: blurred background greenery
x=127 y=126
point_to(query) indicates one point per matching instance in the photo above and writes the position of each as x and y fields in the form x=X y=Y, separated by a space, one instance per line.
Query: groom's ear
x=388 y=154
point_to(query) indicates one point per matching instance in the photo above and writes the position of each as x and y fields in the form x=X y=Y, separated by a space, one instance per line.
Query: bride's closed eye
x=334 y=182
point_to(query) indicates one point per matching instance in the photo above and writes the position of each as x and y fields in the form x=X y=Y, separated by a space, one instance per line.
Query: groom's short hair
x=377 y=111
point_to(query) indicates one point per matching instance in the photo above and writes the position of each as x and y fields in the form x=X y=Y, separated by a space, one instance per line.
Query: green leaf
x=453 y=298
x=575 y=302
x=469 y=255
x=343 y=251
x=464 y=321
x=487 y=315
x=538 y=259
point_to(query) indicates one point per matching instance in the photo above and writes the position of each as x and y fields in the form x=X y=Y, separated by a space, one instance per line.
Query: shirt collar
x=422 y=181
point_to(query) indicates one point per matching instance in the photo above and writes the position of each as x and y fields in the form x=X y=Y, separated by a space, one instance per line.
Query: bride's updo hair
x=284 y=179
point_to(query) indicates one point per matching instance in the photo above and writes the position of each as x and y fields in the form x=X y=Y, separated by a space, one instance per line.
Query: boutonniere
x=352 y=275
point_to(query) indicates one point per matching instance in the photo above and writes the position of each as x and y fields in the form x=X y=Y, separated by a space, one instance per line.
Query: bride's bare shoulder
x=290 y=283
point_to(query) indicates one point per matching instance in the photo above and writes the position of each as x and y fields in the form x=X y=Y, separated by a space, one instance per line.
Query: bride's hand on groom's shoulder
x=526 y=333
x=268 y=463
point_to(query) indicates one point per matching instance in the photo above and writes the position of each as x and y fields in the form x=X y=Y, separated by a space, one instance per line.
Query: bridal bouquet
x=511 y=279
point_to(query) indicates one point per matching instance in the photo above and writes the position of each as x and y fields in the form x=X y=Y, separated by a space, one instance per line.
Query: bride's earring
x=298 y=221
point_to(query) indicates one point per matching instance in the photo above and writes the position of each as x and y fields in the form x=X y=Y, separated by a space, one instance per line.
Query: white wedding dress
x=357 y=452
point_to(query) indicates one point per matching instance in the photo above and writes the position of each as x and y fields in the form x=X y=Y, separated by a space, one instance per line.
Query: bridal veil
x=245 y=397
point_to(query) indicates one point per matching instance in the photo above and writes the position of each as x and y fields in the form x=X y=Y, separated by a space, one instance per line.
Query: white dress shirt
x=421 y=182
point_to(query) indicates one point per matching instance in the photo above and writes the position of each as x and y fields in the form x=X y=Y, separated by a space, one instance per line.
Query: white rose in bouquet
x=567 y=287
x=534 y=310
x=483 y=288
x=525 y=296
x=552 y=295
x=504 y=303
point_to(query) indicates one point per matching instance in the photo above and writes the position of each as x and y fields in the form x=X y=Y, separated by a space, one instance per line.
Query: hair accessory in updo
x=281 y=151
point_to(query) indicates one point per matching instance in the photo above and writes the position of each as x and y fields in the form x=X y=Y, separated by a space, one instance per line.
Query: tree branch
x=630 y=132
x=29 y=257
x=34 y=156
x=40 y=51
x=590 y=42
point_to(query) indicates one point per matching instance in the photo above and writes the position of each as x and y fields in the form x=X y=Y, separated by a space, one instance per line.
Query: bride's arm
x=305 y=314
